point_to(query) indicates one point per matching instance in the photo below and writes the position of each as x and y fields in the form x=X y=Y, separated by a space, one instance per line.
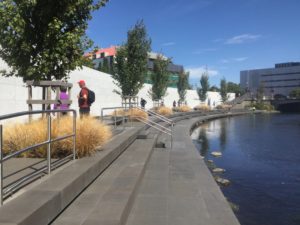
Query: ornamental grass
x=224 y=106
x=164 y=111
x=131 y=113
x=204 y=108
x=90 y=133
x=184 y=108
x=137 y=113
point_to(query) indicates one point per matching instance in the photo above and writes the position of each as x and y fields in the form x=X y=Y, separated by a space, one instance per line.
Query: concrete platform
x=42 y=203
x=109 y=198
x=178 y=188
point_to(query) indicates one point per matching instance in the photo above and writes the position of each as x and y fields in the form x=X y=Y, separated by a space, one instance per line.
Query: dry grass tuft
x=184 y=108
x=204 y=108
x=19 y=136
x=224 y=106
x=90 y=134
x=131 y=113
x=135 y=112
x=165 y=111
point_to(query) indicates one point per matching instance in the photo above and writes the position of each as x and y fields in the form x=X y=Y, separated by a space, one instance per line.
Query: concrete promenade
x=133 y=181
x=178 y=188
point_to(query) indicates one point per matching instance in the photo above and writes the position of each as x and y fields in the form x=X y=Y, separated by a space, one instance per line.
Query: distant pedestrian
x=84 y=107
x=62 y=96
x=174 y=104
x=143 y=103
x=162 y=103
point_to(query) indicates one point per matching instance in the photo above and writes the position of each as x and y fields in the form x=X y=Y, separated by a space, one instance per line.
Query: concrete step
x=143 y=134
x=108 y=200
x=45 y=201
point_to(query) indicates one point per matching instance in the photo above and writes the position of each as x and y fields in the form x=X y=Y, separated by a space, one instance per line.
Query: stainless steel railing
x=4 y=191
x=155 y=124
x=114 y=115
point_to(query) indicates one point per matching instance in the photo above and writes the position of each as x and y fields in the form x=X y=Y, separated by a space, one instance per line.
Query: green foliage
x=214 y=88
x=262 y=106
x=202 y=91
x=104 y=66
x=223 y=90
x=183 y=85
x=160 y=78
x=233 y=88
x=44 y=39
x=295 y=93
x=87 y=62
x=260 y=92
x=131 y=61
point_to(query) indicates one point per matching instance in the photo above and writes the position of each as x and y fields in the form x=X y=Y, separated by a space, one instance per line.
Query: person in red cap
x=84 y=107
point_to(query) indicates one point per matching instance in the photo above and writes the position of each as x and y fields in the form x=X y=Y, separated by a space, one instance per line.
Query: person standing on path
x=84 y=107
x=143 y=103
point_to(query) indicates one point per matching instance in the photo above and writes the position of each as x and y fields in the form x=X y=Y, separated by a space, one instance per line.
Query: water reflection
x=203 y=140
x=223 y=134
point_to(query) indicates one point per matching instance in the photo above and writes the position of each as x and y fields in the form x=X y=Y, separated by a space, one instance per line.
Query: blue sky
x=227 y=36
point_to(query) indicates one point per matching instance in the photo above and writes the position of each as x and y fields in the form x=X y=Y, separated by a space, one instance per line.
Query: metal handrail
x=115 y=119
x=145 y=122
x=165 y=119
x=150 y=122
x=158 y=116
x=48 y=143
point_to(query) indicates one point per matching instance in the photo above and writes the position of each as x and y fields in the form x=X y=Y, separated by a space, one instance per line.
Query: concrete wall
x=14 y=92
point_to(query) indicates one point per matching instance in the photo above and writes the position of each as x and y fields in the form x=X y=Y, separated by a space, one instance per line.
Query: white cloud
x=224 y=61
x=240 y=59
x=196 y=72
x=168 y=44
x=240 y=39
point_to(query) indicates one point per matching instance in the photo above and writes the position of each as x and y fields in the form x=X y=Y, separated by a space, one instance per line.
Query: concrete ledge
x=41 y=204
x=108 y=200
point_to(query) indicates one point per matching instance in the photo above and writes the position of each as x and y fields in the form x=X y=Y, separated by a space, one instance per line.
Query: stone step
x=108 y=200
x=45 y=201
x=143 y=134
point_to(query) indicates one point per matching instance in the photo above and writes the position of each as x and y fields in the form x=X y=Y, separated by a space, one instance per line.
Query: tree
x=295 y=93
x=202 y=92
x=104 y=66
x=183 y=85
x=214 y=88
x=233 y=88
x=260 y=92
x=44 y=39
x=223 y=90
x=131 y=61
x=87 y=62
x=160 y=78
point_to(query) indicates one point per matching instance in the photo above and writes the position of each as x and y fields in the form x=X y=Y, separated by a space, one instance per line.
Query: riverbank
x=260 y=155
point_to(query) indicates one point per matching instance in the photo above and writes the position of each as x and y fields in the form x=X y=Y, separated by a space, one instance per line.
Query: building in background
x=281 y=80
x=108 y=55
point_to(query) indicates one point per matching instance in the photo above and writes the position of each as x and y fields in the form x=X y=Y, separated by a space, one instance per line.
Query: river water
x=261 y=156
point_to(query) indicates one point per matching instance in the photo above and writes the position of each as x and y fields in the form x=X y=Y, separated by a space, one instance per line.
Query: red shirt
x=83 y=103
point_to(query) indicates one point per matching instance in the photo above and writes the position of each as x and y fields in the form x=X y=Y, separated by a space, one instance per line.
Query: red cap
x=81 y=82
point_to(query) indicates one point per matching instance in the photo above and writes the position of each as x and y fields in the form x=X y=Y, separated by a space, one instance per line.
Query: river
x=261 y=156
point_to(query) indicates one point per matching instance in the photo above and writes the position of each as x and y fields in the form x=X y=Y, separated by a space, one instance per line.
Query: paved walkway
x=179 y=189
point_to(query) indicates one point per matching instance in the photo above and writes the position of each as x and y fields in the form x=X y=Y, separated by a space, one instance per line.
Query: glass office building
x=280 y=80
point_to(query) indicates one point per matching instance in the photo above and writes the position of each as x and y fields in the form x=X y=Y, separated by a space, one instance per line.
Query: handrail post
x=172 y=135
x=74 y=137
x=1 y=165
x=49 y=142
x=101 y=115
x=115 y=124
